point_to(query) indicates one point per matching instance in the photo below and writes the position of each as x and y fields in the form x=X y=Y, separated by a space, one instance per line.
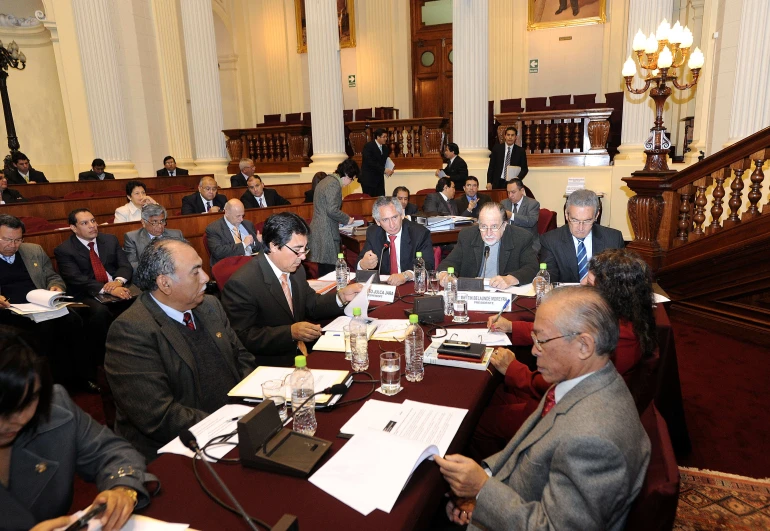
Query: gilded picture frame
x=346 y=24
x=560 y=13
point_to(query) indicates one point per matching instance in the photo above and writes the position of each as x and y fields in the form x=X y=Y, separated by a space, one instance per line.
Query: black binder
x=474 y=352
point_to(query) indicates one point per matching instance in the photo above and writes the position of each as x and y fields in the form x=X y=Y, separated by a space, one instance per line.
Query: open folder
x=250 y=388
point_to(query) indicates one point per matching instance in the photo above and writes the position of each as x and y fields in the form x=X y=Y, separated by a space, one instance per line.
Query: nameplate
x=485 y=301
x=382 y=293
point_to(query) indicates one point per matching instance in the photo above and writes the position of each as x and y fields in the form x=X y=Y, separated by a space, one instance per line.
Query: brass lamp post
x=10 y=57
x=660 y=55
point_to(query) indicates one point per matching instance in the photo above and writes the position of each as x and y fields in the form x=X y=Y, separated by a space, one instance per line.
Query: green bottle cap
x=419 y=254
x=543 y=266
x=340 y=255
x=450 y=270
x=300 y=361
x=356 y=312
x=414 y=319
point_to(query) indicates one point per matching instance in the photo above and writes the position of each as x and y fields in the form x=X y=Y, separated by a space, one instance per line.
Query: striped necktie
x=582 y=258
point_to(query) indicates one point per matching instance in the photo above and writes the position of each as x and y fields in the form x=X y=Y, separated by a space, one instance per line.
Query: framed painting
x=558 y=13
x=346 y=24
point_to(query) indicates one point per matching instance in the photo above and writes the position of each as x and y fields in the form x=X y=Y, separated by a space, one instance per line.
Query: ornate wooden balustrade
x=276 y=148
x=576 y=137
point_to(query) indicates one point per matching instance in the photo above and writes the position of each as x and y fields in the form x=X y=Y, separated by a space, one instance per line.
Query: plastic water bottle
x=302 y=387
x=541 y=283
x=420 y=275
x=342 y=272
x=414 y=345
x=359 y=342
x=450 y=292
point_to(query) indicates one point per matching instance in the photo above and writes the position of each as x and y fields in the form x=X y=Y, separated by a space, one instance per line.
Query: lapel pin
x=34 y=264
x=40 y=468
x=219 y=334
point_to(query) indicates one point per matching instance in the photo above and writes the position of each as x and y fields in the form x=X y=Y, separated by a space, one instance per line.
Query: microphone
x=486 y=255
x=188 y=439
x=379 y=266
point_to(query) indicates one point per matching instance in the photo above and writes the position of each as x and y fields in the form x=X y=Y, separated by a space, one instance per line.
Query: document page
x=251 y=386
x=360 y=300
x=475 y=335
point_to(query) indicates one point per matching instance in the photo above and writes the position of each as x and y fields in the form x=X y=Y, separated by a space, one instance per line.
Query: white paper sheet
x=331 y=342
x=360 y=301
x=389 y=164
x=391 y=330
x=525 y=290
x=332 y=276
x=135 y=522
x=475 y=335
x=251 y=386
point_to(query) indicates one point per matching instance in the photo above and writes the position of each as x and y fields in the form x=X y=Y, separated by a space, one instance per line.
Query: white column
x=325 y=75
x=751 y=109
x=470 y=81
x=205 y=95
x=96 y=42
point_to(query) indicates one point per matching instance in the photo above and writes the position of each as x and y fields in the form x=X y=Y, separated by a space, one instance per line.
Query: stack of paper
x=322 y=286
x=348 y=229
x=43 y=305
x=475 y=335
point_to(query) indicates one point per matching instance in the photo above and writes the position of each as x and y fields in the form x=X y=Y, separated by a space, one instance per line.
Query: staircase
x=710 y=252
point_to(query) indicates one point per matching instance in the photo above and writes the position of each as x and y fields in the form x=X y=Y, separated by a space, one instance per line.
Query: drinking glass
x=390 y=373
x=348 y=349
x=275 y=390
x=460 y=311
x=433 y=284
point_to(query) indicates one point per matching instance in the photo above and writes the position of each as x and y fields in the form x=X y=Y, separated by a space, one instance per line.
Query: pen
x=498 y=315
x=82 y=522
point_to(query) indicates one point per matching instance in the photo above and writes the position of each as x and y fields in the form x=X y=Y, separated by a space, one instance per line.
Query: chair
x=110 y=193
x=272 y=118
x=33 y=223
x=223 y=270
x=425 y=191
x=293 y=117
x=535 y=104
x=585 y=101
x=357 y=196
x=511 y=105
x=306 y=118
x=560 y=102
x=546 y=221
x=177 y=188
x=362 y=114
x=79 y=194
x=347 y=115
x=655 y=507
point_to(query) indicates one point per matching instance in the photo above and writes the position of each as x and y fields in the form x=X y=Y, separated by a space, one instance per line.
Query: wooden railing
x=273 y=148
x=576 y=137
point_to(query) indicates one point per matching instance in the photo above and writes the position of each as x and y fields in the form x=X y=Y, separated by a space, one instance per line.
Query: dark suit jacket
x=309 y=196
x=74 y=262
x=497 y=159
x=135 y=241
x=516 y=256
x=270 y=198
x=373 y=164
x=12 y=196
x=14 y=177
x=193 y=204
x=457 y=171
x=258 y=311
x=435 y=205
x=411 y=209
x=90 y=175
x=462 y=204
x=69 y=442
x=557 y=249
x=238 y=180
x=222 y=244
x=39 y=267
x=147 y=356
x=414 y=238
x=163 y=172
x=527 y=217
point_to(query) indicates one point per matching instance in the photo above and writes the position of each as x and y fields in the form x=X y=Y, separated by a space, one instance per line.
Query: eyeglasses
x=12 y=241
x=210 y=188
x=490 y=228
x=299 y=252
x=155 y=223
x=581 y=222
x=540 y=342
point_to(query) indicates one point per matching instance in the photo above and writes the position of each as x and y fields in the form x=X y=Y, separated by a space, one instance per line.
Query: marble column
x=325 y=75
x=470 y=81
x=170 y=57
x=99 y=60
x=205 y=96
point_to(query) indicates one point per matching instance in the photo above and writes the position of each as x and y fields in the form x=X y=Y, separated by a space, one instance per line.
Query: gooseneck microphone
x=379 y=266
x=486 y=256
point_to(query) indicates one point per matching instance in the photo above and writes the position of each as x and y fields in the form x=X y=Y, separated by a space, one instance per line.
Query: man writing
x=502 y=157
x=522 y=211
x=579 y=460
x=231 y=235
x=373 y=159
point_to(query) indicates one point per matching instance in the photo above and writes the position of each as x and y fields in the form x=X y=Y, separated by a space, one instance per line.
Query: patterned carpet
x=713 y=500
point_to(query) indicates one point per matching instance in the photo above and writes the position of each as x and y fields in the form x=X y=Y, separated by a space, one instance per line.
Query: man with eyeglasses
x=579 y=461
x=269 y=300
x=153 y=226
x=568 y=249
x=493 y=249
x=231 y=235
x=205 y=200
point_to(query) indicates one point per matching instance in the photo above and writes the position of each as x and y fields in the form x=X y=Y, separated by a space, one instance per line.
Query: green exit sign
x=352 y=81
x=533 y=65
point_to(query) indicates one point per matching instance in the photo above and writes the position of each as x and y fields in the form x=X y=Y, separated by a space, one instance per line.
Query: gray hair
x=384 y=201
x=245 y=163
x=583 y=198
x=496 y=207
x=156 y=260
x=151 y=210
x=584 y=310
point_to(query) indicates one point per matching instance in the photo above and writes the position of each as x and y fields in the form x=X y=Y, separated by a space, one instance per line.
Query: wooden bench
x=61 y=188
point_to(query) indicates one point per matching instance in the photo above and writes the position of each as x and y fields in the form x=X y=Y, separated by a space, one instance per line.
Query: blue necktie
x=582 y=258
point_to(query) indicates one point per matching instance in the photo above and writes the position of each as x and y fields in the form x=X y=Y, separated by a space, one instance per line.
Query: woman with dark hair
x=324 y=238
x=45 y=439
x=317 y=178
x=136 y=193
x=625 y=281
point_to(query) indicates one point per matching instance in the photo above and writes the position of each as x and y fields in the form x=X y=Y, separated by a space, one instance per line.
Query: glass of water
x=348 y=349
x=460 y=311
x=275 y=390
x=390 y=372
x=433 y=284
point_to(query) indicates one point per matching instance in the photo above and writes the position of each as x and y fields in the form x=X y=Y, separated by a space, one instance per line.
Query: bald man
x=232 y=235
x=206 y=199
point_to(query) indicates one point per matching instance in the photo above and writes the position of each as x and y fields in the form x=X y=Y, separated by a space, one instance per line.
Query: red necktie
x=393 y=255
x=550 y=401
x=100 y=273
x=188 y=322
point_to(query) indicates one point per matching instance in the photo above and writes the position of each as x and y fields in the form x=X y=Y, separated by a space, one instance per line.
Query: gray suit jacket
x=558 y=250
x=527 y=217
x=516 y=256
x=435 y=205
x=39 y=267
x=222 y=244
x=135 y=241
x=153 y=375
x=69 y=442
x=324 y=229
x=579 y=467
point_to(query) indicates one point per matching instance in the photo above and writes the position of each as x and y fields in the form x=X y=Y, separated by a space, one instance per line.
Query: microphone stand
x=486 y=255
x=379 y=266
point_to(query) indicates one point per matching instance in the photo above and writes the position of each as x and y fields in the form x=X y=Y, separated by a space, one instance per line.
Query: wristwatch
x=130 y=492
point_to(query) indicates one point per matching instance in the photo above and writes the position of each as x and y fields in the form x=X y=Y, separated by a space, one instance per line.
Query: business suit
x=324 y=239
x=579 y=467
x=135 y=242
x=193 y=204
x=457 y=170
x=238 y=179
x=14 y=177
x=497 y=160
x=558 y=250
x=92 y=176
x=222 y=243
x=69 y=442
x=526 y=217
x=414 y=238
x=163 y=172
x=462 y=205
x=270 y=198
x=436 y=205
x=147 y=356
x=12 y=196
x=372 y=176
x=411 y=210
x=516 y=256
x=73 y=259
x=39 y=267
x=259 y=313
